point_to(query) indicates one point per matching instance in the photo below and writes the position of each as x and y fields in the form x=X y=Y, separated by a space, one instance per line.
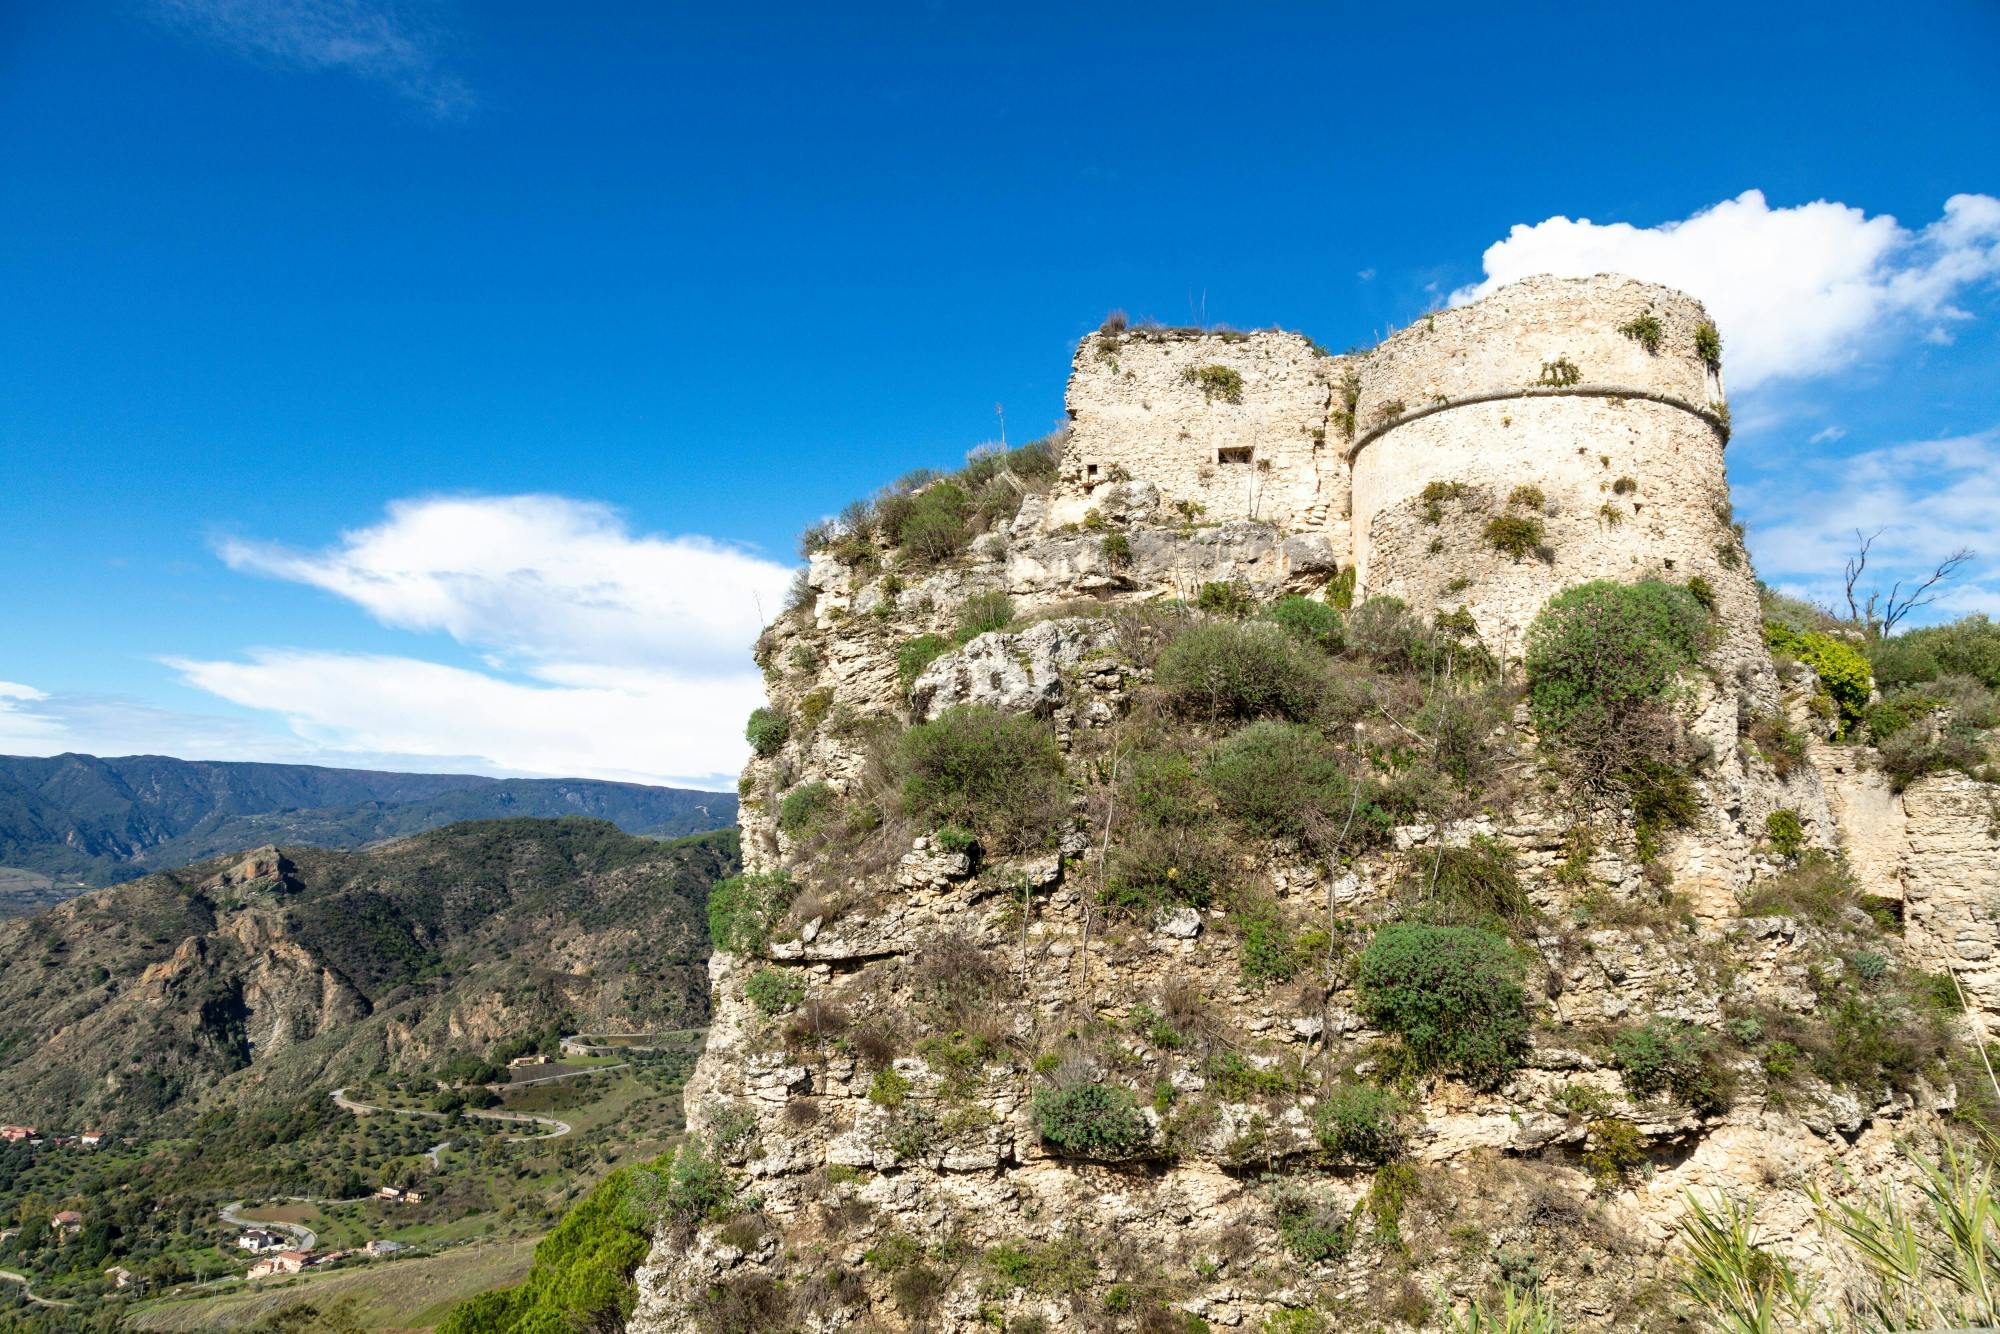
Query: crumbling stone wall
x=1139 y=409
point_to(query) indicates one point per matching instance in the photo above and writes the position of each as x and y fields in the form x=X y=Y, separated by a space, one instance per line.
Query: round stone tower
x=1558 y=431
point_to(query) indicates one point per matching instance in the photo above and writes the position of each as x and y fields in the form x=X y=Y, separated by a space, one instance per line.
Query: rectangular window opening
x=1235 y=454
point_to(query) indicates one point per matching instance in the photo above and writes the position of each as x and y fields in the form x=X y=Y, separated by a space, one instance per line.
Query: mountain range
x=253 y=976
x=72 y=822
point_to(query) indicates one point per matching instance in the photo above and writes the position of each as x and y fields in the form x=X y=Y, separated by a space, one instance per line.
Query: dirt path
x=550 y=1079
x=9 y=1276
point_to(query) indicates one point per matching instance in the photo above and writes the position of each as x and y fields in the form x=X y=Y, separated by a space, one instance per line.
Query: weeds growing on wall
x=1645 y=330
x=1216 y=382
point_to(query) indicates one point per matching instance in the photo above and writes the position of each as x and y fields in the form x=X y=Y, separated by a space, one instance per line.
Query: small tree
x=1876 y=616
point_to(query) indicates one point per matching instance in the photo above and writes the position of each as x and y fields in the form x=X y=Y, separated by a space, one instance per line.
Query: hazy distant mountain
x=71 y=822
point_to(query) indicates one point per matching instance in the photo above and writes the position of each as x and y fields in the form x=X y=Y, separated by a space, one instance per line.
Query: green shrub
x=1903 y=660
x=990 y=610
x=936 y=523
x=699 y=1189
x=1842 y=668
x=1475 y=885
x=1225 y=598
x=1384 y=631
x=913 y=655
x=1284 y=780
x=1913 y=752
x=1158 y=866
x=1673 y=1056
x=1663 y=797
x=1820 y=888
x=1309 y=621
x=1216 y=382
x=1236 y=1077
x=1340 y=590
x=1780 y=743
x=1786 y=833
x=1092 y=1121
x=997 y=774
x=774 y=990
x=1600 y=648
x=1225 y=670
x=742 y=910
x=1527 y=497
x=1614 y=1150
x=1515 y=535
x=1966 y=647
x=805 y=807
x=1266 y=949
x=1312 y=1229
x=1703 y=592
x=1052 y=1268
x=1452 y=994
x=1359 y=1123
x=1116 y=548
x=767 y=730
x=1159 y=788
x=889 y=1088
x=1436 y=495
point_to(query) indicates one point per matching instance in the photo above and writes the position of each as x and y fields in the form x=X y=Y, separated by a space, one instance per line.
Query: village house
x=284 y=1262
x=536 y=1059
x=90 y=1139
x=398 y=1195
x=257 y=1240
x=120 y=1276
x=66 y=1222
x=15 y=1134
x=383 y=1246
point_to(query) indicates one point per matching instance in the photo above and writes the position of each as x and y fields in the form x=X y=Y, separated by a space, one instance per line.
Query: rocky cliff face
x=1118 y=1050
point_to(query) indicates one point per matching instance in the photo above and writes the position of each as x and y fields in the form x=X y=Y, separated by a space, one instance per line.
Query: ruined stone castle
x=1592 y=391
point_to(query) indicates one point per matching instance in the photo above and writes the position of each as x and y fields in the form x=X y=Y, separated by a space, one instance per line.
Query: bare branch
x=1857 y=563
x=1924 y=593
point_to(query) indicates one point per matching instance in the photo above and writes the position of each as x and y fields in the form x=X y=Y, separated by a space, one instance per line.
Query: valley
x=361 y=1053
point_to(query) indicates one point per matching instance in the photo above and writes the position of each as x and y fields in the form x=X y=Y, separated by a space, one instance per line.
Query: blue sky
x=441 y=385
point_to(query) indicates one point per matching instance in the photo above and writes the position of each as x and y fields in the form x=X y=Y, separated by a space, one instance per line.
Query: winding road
x=9 y=1276
x=341 y=1100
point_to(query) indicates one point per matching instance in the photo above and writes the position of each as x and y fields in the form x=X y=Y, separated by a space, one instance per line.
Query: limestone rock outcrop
x=892 y=1126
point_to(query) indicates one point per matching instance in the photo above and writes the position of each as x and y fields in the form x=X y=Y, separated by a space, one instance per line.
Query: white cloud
x=1796 y=291
x=1826 y=435
x=545 y=579
x=581 y=721
x=1929 y=498
x=612 y=655
x=35 y=722
x=24 y=723
x=375 y=42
